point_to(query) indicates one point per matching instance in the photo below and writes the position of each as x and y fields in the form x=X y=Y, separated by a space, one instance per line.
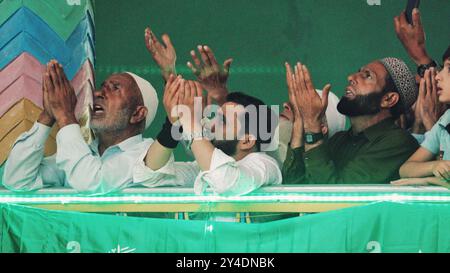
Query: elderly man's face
x=114 y=103
x=365 y=91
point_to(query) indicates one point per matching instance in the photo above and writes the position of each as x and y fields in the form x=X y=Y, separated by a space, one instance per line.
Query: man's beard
x=120 y=122
x=361 y=105
x=229 y=147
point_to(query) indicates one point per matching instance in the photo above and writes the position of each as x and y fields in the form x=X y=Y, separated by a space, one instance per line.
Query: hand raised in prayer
x=293 y=93
x=190 y=101
x=412 y=37
x=428 y=109
x=61 y=96
x=170 y=97
x=311 y=106
x=163 y=54
x=46 y=116
x=210 y=74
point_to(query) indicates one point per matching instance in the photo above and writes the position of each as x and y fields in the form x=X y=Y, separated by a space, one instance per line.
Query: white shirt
x=76 y=164
x=226 y=176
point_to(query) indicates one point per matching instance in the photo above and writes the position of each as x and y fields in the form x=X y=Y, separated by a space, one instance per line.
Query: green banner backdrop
x=379 y=227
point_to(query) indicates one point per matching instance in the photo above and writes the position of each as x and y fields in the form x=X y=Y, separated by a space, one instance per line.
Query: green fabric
x=58 y=14
x=378 y=227
x=372 y=157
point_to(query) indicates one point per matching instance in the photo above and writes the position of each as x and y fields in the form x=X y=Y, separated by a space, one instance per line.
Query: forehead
x=377 y=68
x=122 y=78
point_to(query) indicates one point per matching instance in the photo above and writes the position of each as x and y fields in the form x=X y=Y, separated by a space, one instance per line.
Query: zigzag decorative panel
x=31 y=34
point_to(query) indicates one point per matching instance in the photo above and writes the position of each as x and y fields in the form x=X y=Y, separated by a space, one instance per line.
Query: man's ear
x=139 y=114
x=390 y=99
x=247 y=143
x=324 y=129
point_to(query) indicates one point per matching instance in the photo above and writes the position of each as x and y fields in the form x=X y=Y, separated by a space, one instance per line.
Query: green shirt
x=373 y=156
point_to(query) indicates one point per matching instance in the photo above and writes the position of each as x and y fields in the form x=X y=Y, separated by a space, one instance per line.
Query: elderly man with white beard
x=123 y=108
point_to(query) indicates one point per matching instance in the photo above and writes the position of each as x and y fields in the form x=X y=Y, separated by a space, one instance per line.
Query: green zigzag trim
x=58 y=14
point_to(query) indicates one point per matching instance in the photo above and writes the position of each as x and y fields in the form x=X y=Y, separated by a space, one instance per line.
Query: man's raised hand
x=170 y=98
x=61 y=96
x=212 y=76
x=163 y=54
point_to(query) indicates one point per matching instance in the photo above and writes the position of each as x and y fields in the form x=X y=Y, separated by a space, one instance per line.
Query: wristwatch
x=311 y=138
x=421 y=68
x=189 y=138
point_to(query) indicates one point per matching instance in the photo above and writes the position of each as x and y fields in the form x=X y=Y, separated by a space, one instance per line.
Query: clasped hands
x=59 y=97
x=308 y=107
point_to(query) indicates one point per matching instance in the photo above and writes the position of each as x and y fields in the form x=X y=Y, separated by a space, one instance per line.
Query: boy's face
x=443 y=83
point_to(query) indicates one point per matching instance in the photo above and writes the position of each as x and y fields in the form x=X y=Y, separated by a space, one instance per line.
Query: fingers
x=211 y=57
x=409 y=182
x=437 y=182
x=226 y=65
x=148 y=40
x=289 y=78
x=402 y=19
x=325 y=92
x=49 y=87
x=308 y=79
x=53 y=76
x=416 y=18
x=151 y=41
x=422 y=91
x=195 y=69
x=204 y=56
x=397 y=25
x=434 y=95
x=427 y=82
x=198 y=88
x=181 y=93
x=300 y=79
x=172 y=86
x=167 y=42
x=62 y=77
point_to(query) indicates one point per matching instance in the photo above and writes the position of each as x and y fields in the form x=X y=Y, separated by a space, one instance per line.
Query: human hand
x=311 y=106
x=170 y=98
x=46 y=116
x=412 y=37
x=293 y=93
x=422 y=181
x=164 y=55
x=212 y=77
x=441 y=169
x=61 y=97
x=428 y=109
x=190 y=92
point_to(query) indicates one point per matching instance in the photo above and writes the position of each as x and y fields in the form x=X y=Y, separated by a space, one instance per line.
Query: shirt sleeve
x=85 y=171
x=376 y=165
x=171 y=174
x=293 y=167
x=26 y=168
x=432 y=140
x=229 y=177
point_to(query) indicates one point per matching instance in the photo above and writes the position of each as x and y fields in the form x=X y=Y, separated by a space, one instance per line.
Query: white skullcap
x=149 y=96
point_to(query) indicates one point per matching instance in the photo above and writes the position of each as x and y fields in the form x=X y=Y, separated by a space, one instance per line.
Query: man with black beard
x=231 y=164
x=373 y=149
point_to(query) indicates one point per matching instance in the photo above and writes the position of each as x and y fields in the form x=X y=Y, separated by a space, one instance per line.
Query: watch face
x=309 y=138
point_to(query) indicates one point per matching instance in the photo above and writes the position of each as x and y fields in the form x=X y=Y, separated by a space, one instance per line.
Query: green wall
x=333 y=37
